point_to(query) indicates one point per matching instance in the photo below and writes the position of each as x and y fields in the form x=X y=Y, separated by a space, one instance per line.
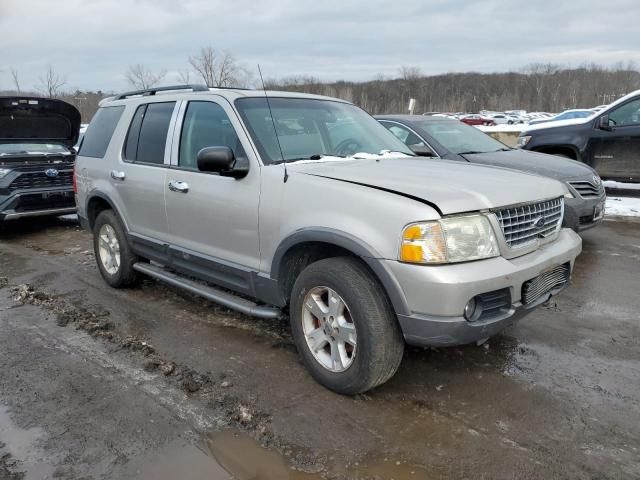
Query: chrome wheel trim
x=109 y=249
x=329 y=329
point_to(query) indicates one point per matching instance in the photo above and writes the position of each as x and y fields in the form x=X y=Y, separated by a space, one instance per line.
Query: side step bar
x=215 y=295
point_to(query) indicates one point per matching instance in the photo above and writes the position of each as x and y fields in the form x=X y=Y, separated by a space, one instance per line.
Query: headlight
x=449 y=240
x=4 y=172
x=522 y=141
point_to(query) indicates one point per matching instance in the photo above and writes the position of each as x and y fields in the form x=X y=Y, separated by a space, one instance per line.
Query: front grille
x=588 y=188
x=39 y=201
x=31 y=180
x=547 y=281
x=494 y=304
x=523 y=224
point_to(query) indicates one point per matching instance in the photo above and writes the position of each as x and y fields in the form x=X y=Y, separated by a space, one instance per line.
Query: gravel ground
x=155 y=383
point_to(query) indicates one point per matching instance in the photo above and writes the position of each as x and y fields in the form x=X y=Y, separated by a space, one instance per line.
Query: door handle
x=178 y=186
x=116 y=175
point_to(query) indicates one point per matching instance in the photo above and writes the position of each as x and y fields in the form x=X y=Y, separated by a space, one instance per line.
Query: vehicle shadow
x=21 y=228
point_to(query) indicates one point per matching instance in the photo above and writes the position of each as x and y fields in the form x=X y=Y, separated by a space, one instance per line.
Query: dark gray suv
x=36 y=157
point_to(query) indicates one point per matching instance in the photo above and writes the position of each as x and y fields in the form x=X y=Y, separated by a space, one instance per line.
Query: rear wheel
x=343 y=326
x=113 y=254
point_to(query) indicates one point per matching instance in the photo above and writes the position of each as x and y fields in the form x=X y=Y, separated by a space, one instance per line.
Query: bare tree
x=217 y=69
x=16 y=81
x=51 y=84
x=410 y=73
x=184 y=76
x=140 y=78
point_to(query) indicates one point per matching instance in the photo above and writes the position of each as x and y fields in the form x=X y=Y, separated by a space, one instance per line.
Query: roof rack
x=154 y=90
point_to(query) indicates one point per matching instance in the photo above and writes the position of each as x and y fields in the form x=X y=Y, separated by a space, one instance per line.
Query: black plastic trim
x=355 y=246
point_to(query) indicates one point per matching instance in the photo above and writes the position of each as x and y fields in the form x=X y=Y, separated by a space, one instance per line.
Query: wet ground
x=156 y=384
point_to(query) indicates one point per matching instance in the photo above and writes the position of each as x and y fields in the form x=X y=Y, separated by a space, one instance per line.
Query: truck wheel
x=343 y=326
x=113 y=253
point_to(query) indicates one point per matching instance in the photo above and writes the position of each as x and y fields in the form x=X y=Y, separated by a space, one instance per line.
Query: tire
x=378 y=348
x=121 y=275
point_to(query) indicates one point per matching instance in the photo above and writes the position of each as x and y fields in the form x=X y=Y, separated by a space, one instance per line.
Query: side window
x=206 y=125
x=100 y=130
x=148 y=131
x=405 y=135
x=626 y=115
x=131 y=144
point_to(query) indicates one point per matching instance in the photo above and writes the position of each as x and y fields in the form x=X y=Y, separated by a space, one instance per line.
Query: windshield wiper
x=470 y=152
x=315 y=156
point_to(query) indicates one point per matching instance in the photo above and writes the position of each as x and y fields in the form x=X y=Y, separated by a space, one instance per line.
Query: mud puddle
x=230 y=455
x=20 y=457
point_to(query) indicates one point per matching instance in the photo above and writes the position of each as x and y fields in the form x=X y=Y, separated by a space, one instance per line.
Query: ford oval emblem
x=51 y=172
x=538 y=222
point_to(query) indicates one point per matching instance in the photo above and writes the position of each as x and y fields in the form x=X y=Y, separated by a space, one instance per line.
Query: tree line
x=536 y=87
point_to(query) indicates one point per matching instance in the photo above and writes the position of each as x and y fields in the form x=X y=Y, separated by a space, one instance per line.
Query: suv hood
x=452 y=186
x=562 y=169
x=38 y=120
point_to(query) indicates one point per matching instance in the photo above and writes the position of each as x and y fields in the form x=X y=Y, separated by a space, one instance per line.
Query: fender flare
x=105 y=197
x=356 y=246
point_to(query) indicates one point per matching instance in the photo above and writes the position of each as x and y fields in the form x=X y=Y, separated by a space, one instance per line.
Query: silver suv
x=306 y=205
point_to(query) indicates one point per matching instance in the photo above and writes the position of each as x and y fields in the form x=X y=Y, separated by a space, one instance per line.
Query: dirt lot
x=153 y=383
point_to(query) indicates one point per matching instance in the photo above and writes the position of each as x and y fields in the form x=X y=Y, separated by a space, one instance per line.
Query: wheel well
x=94 y=207
x=299 y=256
x=566 y=151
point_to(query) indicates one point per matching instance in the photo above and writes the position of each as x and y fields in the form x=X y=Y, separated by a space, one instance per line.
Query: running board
x=210 y=293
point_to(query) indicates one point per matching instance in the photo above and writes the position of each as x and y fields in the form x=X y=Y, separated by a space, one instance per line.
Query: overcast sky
x=94 y=41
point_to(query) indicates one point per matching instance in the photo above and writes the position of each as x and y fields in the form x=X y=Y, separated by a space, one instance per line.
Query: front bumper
x=579 y=213
x=437 y=295
x=50 y=202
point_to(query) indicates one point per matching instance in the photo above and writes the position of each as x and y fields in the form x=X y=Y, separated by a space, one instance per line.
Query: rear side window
x=148 y=132
x=100 y=130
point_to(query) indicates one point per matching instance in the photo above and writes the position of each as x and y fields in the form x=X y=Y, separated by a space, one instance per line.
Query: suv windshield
x=309 y=128
x=26 y=148
x=458 y=137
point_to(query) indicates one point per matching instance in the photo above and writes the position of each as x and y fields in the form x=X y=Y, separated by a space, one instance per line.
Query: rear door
x=616 y=153
x=212 y=219
x=140 y=176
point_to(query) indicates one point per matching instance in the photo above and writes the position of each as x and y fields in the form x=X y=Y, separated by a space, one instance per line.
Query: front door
x=616 y=152
x=212 y=219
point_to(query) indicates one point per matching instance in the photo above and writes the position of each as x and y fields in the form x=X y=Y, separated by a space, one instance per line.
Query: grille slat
x=535 y=288
x=517 y=223
x=31 y=180
x=588 y=188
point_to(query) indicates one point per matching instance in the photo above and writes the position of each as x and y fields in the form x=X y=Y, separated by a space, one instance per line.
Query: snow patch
x=621 y=185
x=623 y=206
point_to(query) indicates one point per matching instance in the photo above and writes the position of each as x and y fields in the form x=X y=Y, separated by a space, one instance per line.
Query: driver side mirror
x=422 y=150
x=219 y=160
x=603 y=123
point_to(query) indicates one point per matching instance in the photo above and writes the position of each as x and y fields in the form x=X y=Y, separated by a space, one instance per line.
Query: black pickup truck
x=608 y=141
x=36 y=156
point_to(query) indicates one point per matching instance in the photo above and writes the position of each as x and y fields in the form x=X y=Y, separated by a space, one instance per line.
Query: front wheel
x=343 y=326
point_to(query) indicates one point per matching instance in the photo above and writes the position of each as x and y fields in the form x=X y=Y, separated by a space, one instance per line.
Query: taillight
x=75 y=184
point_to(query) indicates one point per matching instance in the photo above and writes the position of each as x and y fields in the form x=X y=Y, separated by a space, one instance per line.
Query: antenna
x=275 y=130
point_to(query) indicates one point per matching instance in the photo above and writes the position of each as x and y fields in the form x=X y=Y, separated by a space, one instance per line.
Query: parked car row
x=277 y=203
x=515 y=117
